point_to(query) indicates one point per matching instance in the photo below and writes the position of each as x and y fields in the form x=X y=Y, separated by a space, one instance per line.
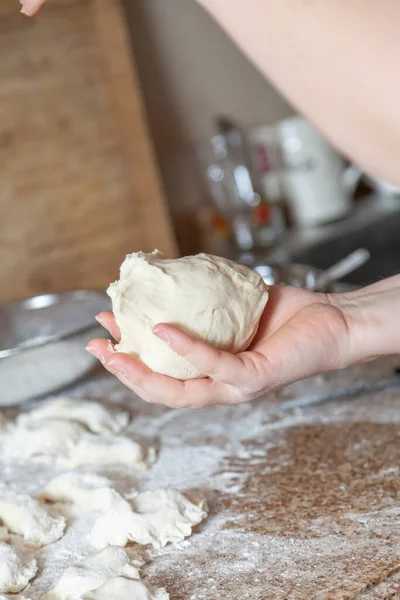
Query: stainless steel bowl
x=302 y=276
x=42 y=343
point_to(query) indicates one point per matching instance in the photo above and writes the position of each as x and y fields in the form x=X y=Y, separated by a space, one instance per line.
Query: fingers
x=156 y=388
x=107 y=320
x=232 y=369
x=31 y=7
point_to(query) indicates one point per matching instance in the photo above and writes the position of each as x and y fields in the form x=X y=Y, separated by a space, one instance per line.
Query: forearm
x=335 y=60
x=373 y=318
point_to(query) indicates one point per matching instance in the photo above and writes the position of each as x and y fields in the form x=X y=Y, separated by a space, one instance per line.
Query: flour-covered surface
x=304 y=502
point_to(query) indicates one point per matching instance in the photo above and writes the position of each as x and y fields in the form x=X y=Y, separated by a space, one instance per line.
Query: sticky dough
x=95 y=417
x=83 y=490
x=72 y=436
x=26 y=517
x=154 y=517
x=92 y=572
x=211 y=298
x=120 y=588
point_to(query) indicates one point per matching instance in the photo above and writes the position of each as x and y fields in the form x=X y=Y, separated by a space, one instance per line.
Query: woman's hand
x=301 y=334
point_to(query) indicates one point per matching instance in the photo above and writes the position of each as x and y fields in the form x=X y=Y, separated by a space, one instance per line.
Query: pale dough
x=84 y=490
x=211 y=298
x=49 y=441
x=26 y=517
x=70 y=445
x=153 y=517
x=120 y=588
x=95 y=417
x=16 y=570
x=109 y=450
x=92 y=572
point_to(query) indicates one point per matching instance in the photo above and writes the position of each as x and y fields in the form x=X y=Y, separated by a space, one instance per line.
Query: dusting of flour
x=198 y=450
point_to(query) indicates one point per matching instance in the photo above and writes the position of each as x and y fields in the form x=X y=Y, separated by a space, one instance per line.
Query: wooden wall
x=79 y=187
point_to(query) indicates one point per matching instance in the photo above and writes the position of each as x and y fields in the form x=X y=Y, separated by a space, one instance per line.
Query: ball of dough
x=210 y=298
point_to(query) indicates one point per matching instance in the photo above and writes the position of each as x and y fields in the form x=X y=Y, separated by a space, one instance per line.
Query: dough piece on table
x=211 y=298
x=85 y=490
x=108 y=450
x=92 y=572
x=153 y=517
x=71 y=445
x=16 y=570
x=120 y=588
x=24 y=516
x=41 y=441
x=94 y=416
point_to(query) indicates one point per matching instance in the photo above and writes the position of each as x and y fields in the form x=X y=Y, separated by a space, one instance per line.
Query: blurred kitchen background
x=138 y=124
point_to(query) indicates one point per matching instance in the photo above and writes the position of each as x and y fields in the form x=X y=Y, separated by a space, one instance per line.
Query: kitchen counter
x=304 y=500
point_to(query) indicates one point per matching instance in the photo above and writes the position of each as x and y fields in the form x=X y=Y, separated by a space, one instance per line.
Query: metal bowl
x=42 y=343
x=302 y=276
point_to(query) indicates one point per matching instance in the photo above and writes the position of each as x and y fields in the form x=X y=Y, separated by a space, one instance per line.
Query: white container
x=313 y=174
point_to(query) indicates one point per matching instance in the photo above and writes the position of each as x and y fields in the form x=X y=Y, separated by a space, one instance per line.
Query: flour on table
x=22 y=515
x=14 y=597
x=120 y=588
x=84 y=490
x=153 y=517
x=16 y=570
x=92 y=572
x=95 y=417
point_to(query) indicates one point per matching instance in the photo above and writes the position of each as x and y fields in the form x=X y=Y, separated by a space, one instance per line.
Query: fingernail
x=102 y=323
x=162 y=335
x=94 y=352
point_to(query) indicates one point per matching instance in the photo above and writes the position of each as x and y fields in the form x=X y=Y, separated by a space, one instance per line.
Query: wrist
x=373 y=318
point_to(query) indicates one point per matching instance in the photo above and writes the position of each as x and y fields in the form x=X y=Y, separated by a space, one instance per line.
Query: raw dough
x=93 y=572
x=41 y=441
x=212 y=298
x=71 y=445
x=109 y=450
x=153 y=517
x=85 y=490
x=120 y=588
x=96 y=417
x=24 y=516
x=16 y=570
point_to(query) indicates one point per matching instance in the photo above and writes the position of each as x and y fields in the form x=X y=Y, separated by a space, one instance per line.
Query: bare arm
x=336 y=61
